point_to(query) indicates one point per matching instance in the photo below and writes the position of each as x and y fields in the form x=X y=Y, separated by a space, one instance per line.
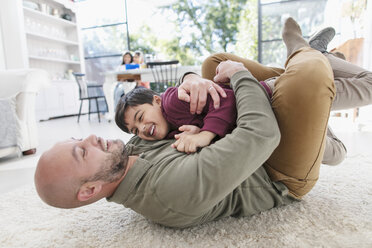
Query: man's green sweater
x=224 y=179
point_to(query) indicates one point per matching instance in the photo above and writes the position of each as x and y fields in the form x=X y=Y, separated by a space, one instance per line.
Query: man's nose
x=92 y=139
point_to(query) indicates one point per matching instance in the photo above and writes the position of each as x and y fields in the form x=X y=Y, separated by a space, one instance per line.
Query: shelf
x=38 y=39
x=45 y=17
x=67 y=4
x=64 y=81
x=65 y=61
x=58 y=40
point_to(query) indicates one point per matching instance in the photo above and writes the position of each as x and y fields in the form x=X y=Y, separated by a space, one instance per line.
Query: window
x=308 y=13
x=105 y=35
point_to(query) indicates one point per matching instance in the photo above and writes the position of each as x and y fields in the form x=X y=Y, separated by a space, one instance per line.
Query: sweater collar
x=125 y=188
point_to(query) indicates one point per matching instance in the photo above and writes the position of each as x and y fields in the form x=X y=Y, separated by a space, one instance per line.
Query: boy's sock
x=269 y=90
x=268 y=84
x=292 y=36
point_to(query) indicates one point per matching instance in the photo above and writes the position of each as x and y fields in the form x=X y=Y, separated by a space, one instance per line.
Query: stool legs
x=99 y=118
x=81 y=104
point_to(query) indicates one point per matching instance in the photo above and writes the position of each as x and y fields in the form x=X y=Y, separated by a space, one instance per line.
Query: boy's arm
x=177 y=113
x=222 y=120
x=212 y=121
x=215 y=122
x=189 y=143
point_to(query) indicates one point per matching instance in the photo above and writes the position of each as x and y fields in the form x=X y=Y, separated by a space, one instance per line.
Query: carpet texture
x=336 y=213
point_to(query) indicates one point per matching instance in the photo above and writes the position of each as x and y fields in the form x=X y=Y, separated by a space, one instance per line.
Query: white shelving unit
x=41 y=37
x=45 y=40
x=57 y=60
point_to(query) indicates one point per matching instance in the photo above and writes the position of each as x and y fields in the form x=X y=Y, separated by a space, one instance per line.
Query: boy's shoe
x=319 y=41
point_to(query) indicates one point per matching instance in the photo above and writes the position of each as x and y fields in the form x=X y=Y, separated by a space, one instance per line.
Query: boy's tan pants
x=302 y=100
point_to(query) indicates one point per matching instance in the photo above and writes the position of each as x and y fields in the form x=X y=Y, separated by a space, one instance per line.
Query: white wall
x=2 y=56
x=345 y=29
x=367 y=63
x=13 y=38
x=365 y=113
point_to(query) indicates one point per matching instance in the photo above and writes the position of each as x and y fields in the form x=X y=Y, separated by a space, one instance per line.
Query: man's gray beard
x=114 y=167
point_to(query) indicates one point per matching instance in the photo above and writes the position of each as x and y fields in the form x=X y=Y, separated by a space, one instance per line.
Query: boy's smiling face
x=147 y=121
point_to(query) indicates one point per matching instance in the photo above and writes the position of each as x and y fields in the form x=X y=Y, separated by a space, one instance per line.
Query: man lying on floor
x=272 y=157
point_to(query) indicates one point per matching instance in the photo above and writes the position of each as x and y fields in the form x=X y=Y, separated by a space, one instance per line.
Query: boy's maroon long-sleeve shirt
x=219 y=121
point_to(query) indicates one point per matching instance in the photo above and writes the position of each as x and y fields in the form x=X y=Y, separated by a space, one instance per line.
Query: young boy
x=151 y=116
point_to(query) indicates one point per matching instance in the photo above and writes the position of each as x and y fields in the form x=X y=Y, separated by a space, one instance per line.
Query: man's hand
x=195 y=90
x=189 y=143
x=226 y=69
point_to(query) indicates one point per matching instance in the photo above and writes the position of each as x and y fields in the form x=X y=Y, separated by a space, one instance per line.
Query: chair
x=89 y=91
x=164 y=73
x=18 y=90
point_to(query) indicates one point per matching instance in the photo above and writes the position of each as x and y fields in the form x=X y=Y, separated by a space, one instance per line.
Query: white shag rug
x=336 y=213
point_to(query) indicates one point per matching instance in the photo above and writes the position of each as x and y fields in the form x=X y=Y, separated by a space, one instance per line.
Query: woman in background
x=127 y=58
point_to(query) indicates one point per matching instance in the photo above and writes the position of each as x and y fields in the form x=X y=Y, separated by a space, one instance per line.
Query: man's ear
x=157 y=100
x=89 y=190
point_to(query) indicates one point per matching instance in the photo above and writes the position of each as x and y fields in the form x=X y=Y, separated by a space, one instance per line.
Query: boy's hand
x=188 y=129
x=195 y=89
x=226 y=69
x=189 y=143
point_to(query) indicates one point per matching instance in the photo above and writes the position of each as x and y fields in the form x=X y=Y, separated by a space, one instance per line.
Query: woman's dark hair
x=135 y=97
x=131 y=57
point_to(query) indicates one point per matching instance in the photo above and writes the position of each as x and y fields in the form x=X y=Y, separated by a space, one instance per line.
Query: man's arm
x=205 y=178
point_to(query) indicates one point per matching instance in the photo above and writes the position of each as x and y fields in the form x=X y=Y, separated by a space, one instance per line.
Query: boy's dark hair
x=135 y=97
